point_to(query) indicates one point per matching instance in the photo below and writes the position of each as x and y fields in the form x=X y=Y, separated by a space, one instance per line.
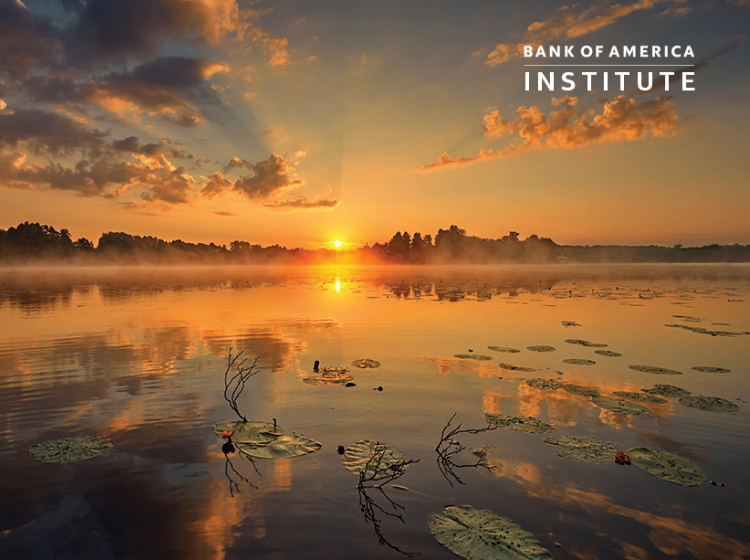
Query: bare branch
x=234 y=384
x=449 y=447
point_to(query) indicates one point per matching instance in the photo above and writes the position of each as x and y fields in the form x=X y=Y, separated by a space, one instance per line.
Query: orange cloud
x=572 y=22
x=621 y=120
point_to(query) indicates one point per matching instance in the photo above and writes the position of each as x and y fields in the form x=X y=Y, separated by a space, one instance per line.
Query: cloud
x=269 y=178
x=572 y=22
x=54 y=133
x=703 y=62
x=621 y=120
x=304 y=204
x=118 y=29
x=26 y=41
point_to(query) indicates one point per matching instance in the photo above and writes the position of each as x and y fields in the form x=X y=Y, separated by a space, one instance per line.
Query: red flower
x=621 y=458
x=228 y=434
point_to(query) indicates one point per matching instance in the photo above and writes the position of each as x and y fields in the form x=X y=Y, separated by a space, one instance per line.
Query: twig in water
x=374 y=477
x=234 y=384
x=448 y=448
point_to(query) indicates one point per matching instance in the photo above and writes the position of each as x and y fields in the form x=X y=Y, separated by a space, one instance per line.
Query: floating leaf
x=581 y=448
x=640 y=397
x=330 y=376
x=477 y=534
x=620 y=406
x=358 y=455
x=585 y=343
x=518 y=423
x=711 y=404
x=259 y=433
x=608 y=353
x=579 y=362
x=667 y=466
x=503 y=349
x=711 y=369
x=570 y=324
x=667 y=391
x=281 y=447
x=656 y=370
x=701 y=330
x=516 y=368
x=366 y=364
x=580 y=390
x=541 y=348
x=544 y=384
x=480 y=357
x=69 y=450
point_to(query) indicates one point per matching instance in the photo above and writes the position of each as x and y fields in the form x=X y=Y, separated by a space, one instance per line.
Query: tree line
x=34 y=242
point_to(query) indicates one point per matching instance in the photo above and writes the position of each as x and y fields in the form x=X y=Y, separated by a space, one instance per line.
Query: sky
x=298 y=123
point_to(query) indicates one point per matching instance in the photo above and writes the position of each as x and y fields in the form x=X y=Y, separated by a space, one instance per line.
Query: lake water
x=138 y=356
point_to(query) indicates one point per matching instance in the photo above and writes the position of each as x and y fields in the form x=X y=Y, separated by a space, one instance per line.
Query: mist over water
x=137 y=355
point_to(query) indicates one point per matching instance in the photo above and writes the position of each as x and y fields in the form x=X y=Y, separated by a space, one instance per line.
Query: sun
x=337 y=244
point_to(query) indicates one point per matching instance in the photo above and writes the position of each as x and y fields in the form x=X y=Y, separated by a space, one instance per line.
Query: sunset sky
x=303 y=122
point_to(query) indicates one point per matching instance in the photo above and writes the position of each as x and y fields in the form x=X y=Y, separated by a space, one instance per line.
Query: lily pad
x=656 y=370
x=69 y=450
x=580 y=390
x=667 y=391
x=541 y=348
x=477 y=534
x=585 y=343
x=579 y=362
x=667 y=466
x=518 y=424
x=711 y=404
x=258 y=433
x=516 y=368
x=281 y=447
x=480 y=357
x=330 y=376
x=581 y=448
x=544 y=384
x=503 y=349
x=620 y=406
x=608 y=353
x=366 y=364
x=366 y=453
x=570 y=324
x=640 y=397
x=711 y=369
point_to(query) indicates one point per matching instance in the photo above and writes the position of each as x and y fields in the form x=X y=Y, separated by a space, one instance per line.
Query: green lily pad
x=281 y=447
x=581 y=390
x=711 y=404
x=477 y=534
x=258 y=433
x=667 y=466
x=541 y=348
x=608 y=353
x=358 y=455
x=579 y=448
x=480 y=357
x=579 y=362
x=620 y=406
x=667 y=391
x=503 y=349
x=516 y=368
x=366 y=364
x=711 y=369
x=585 y=343
x=518 y=424
x=69 y=450
x=544 y=384
x=656 y=370
x=640 y=397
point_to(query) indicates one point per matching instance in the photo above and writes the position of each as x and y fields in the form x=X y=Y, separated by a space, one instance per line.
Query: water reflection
x=138 y=358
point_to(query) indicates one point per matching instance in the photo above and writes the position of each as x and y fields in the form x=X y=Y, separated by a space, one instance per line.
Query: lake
x=138 y=355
